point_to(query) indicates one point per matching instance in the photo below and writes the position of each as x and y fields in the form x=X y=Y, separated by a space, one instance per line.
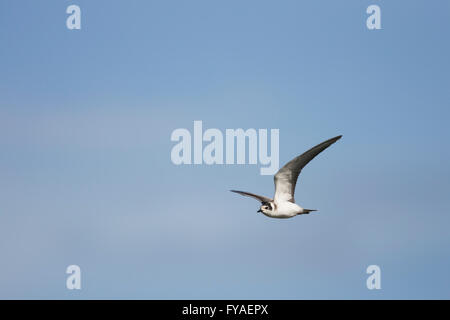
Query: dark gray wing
x=252 y=195
x=286 y=178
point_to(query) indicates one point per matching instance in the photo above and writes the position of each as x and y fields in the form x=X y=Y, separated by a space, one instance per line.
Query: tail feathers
x=307 y=211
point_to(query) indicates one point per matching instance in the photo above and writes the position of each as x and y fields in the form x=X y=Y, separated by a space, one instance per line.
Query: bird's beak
x=259 y=210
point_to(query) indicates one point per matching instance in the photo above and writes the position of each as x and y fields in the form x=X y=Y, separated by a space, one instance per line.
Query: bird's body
x=284 y=210
x=283 y=204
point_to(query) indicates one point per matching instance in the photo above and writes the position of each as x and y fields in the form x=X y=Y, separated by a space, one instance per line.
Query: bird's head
x=266 y=207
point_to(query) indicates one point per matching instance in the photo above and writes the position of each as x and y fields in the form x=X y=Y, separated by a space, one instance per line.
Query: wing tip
x=333 y=140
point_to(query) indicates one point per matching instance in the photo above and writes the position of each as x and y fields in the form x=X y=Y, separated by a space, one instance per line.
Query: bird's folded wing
x=252 y=195
x=286 y=178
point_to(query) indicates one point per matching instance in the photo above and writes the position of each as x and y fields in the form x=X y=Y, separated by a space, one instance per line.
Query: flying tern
x=283 y=204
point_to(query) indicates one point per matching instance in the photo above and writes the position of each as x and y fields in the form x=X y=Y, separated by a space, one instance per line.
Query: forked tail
x=307 y=211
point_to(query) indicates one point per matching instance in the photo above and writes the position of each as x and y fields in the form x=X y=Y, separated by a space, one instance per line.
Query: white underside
x=285 y=209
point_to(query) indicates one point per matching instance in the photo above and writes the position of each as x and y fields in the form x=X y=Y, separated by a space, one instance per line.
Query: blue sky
x=85 y=171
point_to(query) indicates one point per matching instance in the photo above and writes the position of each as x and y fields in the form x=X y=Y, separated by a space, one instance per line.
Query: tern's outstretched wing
x=286 y=178
x=255 y=196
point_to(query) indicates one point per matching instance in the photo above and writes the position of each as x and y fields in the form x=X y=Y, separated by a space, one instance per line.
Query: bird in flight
x=283 y=204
